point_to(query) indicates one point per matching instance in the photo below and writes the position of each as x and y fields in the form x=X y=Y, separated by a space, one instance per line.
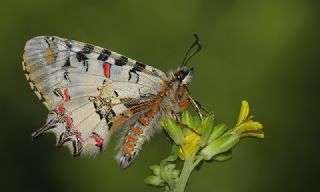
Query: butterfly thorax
x=175 y=99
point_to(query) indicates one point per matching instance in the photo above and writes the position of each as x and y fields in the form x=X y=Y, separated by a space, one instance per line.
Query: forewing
x=53 y=63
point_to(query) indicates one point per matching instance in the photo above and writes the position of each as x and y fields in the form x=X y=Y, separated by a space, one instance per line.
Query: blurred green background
x=264 y=51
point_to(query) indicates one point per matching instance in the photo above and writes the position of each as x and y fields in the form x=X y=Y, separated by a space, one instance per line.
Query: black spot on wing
x=138 y=67
x=133 y=73
x=155 y=72
x=66 y=76
x=67 y=63
x=61 y=139
x=57 y=92
x=47 y=42
x=68 y=44
x=109 y=117
x=104 y=55
x=81 y=56
x=87 y=49
x=121 y=61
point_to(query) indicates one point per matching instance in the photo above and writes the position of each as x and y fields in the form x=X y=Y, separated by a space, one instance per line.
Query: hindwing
x=90 y=91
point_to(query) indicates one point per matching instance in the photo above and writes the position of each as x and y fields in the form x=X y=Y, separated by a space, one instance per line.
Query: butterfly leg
x=200 y=110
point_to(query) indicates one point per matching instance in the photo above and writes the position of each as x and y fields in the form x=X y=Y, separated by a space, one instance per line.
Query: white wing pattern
x=92 y=92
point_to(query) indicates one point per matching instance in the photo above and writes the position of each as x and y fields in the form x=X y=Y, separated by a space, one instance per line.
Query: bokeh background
x=264 y=51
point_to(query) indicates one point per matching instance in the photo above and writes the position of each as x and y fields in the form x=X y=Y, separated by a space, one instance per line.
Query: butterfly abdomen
x=136 y=136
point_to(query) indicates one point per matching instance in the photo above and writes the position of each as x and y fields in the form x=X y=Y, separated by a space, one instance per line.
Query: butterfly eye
x=178 y=74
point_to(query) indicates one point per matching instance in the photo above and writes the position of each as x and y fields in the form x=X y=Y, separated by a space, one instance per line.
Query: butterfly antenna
x=188 y=55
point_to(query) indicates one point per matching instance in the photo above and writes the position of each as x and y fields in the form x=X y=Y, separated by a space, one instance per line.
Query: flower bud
x=174 y=131
x=206 y=130
x=175 y=173
x=168 y=172
x=155 y=169
x=187 y=119
x=220 y=145
x=154 y=180
x=217 y=132
x=223 y=156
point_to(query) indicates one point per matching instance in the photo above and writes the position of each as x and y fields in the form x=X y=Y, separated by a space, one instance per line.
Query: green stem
x=197 y=161
x=184 y=176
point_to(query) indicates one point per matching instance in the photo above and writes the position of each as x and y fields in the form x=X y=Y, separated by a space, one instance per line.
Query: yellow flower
x=197 y=135
x=222 y=141
x=194 y=134
x=191 y=145
x=246 y=126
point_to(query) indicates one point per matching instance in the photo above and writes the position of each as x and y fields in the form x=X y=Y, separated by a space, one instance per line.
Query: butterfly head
x=183 y=75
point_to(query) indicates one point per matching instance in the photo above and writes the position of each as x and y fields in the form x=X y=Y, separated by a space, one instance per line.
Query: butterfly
x=92 y=93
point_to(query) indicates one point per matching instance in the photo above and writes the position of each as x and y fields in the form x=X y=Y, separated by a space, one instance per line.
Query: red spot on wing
x=69 y=122
x=60 y=109
x=97 y=139
x=106 y=70
x=66 y=94
x=78 y=134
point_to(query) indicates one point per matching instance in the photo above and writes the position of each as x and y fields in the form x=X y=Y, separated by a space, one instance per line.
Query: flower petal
x=244 y=112
x=258 y=134
x=190 y=147
x=250 y=126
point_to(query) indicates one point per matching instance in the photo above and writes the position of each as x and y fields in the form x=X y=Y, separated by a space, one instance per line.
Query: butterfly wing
x=90 y=91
